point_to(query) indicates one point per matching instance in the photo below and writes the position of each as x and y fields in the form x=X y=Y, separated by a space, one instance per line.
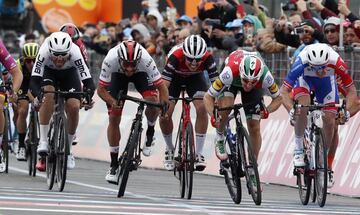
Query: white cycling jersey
x=146 y=64
x=75 y=60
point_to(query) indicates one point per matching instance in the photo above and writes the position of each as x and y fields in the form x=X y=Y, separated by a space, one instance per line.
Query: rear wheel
x=127 y=158
x=190 y=158
x=62 y=151
x=321 y=172
x=249 y=165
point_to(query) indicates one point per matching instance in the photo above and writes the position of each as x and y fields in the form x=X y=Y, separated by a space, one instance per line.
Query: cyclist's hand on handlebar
x=164 y=109
x=87 y=104
x=264 y=113
x=292 y=116
x=343 y=117
x=215 y=122
x=37 y=103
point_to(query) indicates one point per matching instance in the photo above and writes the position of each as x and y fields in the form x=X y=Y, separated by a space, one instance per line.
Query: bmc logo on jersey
x=39 y=62
x=79 y=65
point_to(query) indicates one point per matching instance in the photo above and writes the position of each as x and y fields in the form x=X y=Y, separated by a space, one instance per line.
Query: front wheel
x=249 y=165
x=51 y=158
x=190 y=158
x=127 y=158
x=303 y=181
x=321 y=172
x=62 y=152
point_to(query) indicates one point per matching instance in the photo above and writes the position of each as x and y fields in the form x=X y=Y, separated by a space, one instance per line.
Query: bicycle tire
x=62 y=151
x=190 y=159
x=303 y=181
x=127 y=158
x=231 y=176
x=51 y=158
x=321 y=168
x=179 y=164
x=313 y=191
x=249 y=162
x=303 y=178
x=5 y=141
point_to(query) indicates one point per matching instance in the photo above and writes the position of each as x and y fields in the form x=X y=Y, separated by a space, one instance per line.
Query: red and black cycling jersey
x=176 y=64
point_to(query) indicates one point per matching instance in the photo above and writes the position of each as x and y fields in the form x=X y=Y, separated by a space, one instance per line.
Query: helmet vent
x=314 y=53
x=321 y=52
x=309 y=57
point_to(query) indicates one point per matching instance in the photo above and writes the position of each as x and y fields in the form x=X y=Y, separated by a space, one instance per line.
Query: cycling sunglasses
x=129 y=64
x=57 y=54
x=329 y=30
x=28 y=61
x=193 y=59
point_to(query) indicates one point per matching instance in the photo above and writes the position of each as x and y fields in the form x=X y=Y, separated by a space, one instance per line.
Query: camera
x=250 y=2
x=299 y=30
x=289 y=6
x=213 y=22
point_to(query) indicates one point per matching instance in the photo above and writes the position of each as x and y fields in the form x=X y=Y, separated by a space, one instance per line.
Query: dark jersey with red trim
x=176 y=64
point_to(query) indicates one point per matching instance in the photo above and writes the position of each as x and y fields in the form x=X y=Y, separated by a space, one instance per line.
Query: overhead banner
x=54 y=13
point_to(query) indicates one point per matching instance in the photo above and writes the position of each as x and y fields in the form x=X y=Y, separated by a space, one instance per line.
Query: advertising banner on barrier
x=275 y=159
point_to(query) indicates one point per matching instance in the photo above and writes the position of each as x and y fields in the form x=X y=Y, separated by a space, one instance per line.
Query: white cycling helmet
x=194 y=47
x=60 y=42
x=318 y=54
x=129 y=51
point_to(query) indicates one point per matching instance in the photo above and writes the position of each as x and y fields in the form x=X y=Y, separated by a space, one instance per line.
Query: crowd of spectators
x=225 y=25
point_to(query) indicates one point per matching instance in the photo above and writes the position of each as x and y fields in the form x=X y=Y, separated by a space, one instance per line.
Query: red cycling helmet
x=72 y=30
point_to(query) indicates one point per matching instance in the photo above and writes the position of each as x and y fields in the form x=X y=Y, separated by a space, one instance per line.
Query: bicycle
x=33 y=137
x=312 y=178
x=56 y=160
x=241 y=159
x=130 y=159
x=7 y=134
x=185 y=148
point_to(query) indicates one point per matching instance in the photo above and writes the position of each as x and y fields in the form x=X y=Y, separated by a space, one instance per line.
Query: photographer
x=214 y=20
x=306 y=32
x=283 y=29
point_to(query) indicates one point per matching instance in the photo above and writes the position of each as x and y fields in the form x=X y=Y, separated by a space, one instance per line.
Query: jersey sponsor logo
x=274 y=88
x=154 y=75
x=342 y=68
x=149 y=63
x=39 y=62
x=81 y=69
x=107 y=64
x=225 y=76
x=269 y=79
x=217 y=85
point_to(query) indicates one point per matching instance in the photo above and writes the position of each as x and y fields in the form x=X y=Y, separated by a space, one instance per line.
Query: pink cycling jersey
x=6 y=59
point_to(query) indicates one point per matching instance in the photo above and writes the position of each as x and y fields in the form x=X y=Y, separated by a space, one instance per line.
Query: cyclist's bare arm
x=209 y=102
x=275 y=104
x=105 y=95
x=286 y=99
x=17 y=78
x=352 y=101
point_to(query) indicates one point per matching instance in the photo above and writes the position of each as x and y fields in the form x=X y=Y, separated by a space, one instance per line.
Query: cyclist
x=315 y=69
x=245 y=72
x=185 y=66
x=59 y=64
x=10 y=65
x=25 y=63
x=129 y=62
x=74 y=33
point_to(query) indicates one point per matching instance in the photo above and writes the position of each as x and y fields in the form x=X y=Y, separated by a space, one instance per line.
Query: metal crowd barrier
x=278 y=63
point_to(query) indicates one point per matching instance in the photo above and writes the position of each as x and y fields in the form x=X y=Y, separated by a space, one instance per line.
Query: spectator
x=184 y=22
x=331 y=30
x=183 y=33
x=225 y=10
x=351 y=38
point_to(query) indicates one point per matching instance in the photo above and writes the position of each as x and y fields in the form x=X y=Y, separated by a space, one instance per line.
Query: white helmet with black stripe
x=59 y=42
x=194 y=47
x=318 y=54
x=129 y=51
